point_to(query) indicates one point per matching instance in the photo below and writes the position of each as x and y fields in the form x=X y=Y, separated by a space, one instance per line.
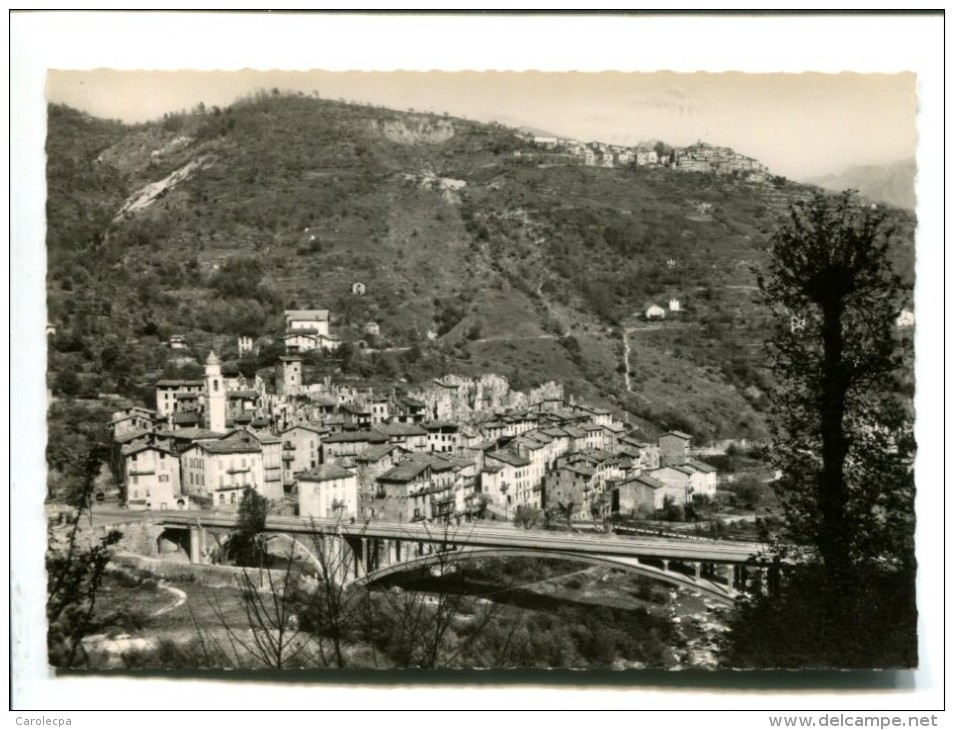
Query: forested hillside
x=480 y=253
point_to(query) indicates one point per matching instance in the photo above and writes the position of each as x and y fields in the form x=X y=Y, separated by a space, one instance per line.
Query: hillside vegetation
x=210 y=223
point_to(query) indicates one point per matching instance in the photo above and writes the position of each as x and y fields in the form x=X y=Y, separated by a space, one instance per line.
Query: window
x=163 y=477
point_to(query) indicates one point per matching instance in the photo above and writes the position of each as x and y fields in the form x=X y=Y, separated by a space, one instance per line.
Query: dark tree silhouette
x=838 y=402
x=842 y=438
x=76 y=566
x=246 y=545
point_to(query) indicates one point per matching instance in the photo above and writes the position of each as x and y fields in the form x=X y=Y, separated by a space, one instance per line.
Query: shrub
x=748 y=491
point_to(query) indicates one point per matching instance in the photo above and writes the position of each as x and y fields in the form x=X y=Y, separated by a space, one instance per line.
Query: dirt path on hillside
x=507 y=338
x=629 y=385
x=180 y=595
x=627 y=351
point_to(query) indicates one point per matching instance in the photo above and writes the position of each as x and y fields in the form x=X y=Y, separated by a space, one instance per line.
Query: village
x=698 y=157
x=452 y=450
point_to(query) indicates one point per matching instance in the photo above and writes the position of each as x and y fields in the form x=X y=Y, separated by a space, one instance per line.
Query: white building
x=307 y=319
x=308 y=329
x=328 y=490
x=380 y=410
x=151 y=477
x=219 y=470
x=705 y=481
x=654 y=311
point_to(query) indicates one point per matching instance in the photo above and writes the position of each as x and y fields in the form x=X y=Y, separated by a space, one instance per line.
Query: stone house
x=441 y=436
x=676 y=481
x=639 y=496
x=301 y=449
x=380 y=410
x=403 y=492
x=371 y=464
x=170 y=392
x=337 y=447
x=510 y=483
x=674 y=448
x=410 y=436
x=242 y=402
x=571 y=487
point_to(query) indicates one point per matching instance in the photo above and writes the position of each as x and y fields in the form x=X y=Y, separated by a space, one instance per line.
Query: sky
x=800 y=125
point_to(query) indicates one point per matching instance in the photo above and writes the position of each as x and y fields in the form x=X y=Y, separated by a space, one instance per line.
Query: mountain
x=537 y=132
x=475 y=258
x=892 y=183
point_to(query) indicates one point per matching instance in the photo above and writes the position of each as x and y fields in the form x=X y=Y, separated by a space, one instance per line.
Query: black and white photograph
x=450 y=369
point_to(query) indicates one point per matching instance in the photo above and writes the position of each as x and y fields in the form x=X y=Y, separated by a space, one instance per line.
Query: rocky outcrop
x=147 y=195
x=415 y=129
x=457 y=398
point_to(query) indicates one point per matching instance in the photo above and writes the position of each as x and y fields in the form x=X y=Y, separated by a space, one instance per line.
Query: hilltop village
x=699 y=157
x=454 y=449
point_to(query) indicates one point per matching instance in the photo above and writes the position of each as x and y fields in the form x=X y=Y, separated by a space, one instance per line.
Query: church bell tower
x=215 y=394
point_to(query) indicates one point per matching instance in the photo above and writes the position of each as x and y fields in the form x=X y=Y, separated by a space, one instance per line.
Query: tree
x=672 y=512
x=748 y=490
x=307 y=615
x=246 y=545
x=75 y=573
x=524 y=516
x=274 y=639
x=841 y=427
x=598 y=509
x=838 y=396
x=67 y=383
x=567 y=509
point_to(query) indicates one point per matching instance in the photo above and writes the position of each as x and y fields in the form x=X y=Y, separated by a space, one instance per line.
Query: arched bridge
x=365 y=552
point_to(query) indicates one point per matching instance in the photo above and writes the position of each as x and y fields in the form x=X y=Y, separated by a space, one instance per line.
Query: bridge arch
x=710 y=588
x=173 y=539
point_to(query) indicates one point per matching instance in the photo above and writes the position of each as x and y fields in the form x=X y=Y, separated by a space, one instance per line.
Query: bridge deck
x=487 y=537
